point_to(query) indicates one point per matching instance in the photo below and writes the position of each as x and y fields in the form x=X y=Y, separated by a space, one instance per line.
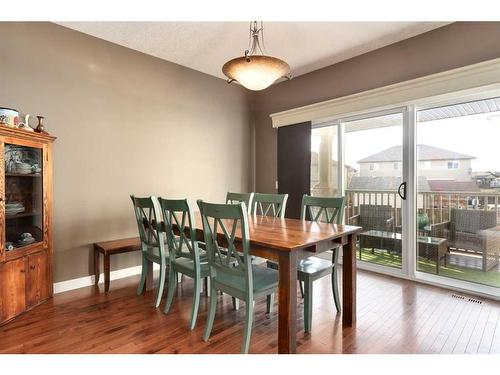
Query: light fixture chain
x=263 y=49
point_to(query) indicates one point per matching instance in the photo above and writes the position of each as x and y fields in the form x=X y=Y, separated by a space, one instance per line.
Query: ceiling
x=206 y=46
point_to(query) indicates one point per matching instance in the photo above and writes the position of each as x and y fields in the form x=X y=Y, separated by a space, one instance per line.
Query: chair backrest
x=178 y=212
x=221 y=224
x=269 y=204
x=148 y=215
x=240 y=197
x=375 y=217
x=324 y=209
x=471 y=221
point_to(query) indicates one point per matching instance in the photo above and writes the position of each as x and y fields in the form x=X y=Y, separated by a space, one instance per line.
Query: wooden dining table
x=286 y=241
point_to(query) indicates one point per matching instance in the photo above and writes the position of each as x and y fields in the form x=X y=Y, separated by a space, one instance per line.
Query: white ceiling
x=206 y=46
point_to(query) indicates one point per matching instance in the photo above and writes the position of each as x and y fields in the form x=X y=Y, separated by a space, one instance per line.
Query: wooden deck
x=394 y=316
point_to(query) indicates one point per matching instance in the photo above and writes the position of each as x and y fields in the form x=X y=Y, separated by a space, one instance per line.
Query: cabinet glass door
x=23 y=196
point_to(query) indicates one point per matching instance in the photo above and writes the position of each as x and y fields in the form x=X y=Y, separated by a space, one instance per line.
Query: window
x=425 y=164
x=453 y=164
x=373 y=167
x=396 y=166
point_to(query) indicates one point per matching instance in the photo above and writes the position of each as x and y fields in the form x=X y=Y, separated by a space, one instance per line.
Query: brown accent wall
x=126 y=123
x=451 y=46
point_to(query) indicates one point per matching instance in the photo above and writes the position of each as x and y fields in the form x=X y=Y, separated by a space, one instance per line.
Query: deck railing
x=437 y=205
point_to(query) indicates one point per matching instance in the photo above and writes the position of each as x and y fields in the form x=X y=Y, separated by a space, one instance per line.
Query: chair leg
x=144 y=271
x=172 y=285
x=335 y=279
x=211 y=313
x=236 y=303
x=248 y=327
x=308 y=305
x=161 y=284
x=196 y=302
x=335 y=289
x=301 y=283
x=270 y=303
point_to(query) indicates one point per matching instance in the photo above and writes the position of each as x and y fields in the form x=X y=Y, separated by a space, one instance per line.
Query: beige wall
x=449 y=47
x=126 y=123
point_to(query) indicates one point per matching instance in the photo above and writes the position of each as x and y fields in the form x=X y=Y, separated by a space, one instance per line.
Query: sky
x=475 y=135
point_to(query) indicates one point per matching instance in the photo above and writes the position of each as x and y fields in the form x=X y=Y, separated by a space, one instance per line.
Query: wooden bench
x=109 y=248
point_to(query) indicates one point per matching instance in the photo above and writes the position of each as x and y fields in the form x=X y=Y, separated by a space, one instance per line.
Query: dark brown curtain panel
x=294 y=165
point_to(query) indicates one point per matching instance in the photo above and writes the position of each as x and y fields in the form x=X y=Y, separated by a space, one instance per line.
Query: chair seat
x=188 y=265
x=153 y=254
x=263 y=280
x=309 y=266
x=314 y=265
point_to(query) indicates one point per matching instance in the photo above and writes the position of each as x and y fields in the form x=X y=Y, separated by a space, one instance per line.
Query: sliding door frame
x=407 y=209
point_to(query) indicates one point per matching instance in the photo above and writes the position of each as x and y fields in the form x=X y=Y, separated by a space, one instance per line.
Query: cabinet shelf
x=23 y=175
x=22 y=214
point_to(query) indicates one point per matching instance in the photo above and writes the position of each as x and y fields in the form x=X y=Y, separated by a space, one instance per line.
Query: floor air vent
x=468 y=299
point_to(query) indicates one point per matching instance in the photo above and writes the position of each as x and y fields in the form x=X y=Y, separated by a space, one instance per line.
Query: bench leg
x=106 y=272
x=97 y=271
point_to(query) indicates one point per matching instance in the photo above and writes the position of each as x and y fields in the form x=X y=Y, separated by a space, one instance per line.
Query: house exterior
x=434 y=164
x=487 y=180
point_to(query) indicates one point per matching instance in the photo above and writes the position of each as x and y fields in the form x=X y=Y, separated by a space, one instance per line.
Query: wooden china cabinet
x=25 y=220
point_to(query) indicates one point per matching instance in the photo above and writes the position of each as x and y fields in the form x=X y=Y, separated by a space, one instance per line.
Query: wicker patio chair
x=472 y=231
x=374 y=217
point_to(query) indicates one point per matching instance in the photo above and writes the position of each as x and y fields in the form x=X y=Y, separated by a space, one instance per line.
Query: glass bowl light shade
x=257 y=72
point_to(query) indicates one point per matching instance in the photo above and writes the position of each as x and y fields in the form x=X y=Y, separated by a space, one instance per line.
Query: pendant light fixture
x=255 y=70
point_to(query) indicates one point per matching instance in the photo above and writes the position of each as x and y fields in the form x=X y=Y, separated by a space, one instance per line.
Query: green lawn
x=383 y=258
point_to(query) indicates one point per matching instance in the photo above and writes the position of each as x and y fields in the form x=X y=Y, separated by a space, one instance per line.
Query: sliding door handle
x=402 y=191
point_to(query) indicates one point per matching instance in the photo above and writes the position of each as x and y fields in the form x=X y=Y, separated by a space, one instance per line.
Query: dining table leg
x=287 y=302
x=349 y=282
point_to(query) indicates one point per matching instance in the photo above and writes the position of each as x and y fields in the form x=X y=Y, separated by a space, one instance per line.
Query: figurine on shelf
x=25 y=125
x=40 y=128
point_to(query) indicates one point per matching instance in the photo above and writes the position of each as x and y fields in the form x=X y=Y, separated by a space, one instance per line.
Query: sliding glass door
x=458 y=167
x=361 y=158
x=373 y=185
x=423 y=181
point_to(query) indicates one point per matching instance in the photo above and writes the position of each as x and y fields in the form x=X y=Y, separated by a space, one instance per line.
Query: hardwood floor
x=394 y=316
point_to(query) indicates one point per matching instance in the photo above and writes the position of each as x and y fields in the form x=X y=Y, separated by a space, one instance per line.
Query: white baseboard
x=64 y=286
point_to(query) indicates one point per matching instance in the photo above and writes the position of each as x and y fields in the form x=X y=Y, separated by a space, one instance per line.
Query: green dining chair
x=326 y=210
x=269 y=204
x=185 y=256
x=245 y=281
x=149 y=223
x=240 y=197
x=237 y=198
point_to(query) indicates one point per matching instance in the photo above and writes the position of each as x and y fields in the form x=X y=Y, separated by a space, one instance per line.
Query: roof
x=450 y=185
x=424 y=152
x=487 y=174
x=386 y=183
x=460 y=109
x=391 y=183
